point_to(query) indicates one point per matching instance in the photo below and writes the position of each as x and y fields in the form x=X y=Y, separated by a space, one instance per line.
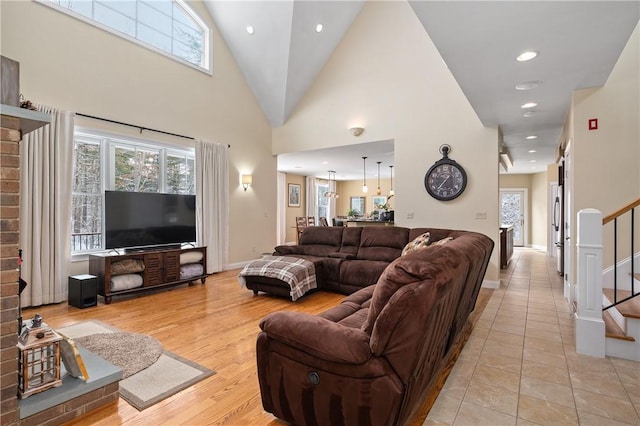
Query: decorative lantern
x=39 y=358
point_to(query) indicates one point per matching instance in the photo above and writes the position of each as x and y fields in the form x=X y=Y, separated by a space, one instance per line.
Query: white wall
x=387 y=76
x=606 y=175
x=539 y=207
x=75 y=66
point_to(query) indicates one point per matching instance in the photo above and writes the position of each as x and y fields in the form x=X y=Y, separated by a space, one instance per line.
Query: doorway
x=513 y=212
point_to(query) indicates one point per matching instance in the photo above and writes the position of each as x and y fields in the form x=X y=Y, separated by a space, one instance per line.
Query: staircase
x=608 y=302
x=622 y=322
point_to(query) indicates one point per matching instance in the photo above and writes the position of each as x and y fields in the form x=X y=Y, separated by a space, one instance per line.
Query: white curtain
x=281 y=209
x=46 y=168
x=212 y=202
x=311 y=198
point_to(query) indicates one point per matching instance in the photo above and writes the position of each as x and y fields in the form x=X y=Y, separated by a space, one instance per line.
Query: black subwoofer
x=83 y=291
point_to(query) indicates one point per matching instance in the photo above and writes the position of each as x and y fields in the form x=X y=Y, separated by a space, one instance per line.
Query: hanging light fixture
x=364 y=175
x=331 y=193
x=378 y=191
x=391 y=190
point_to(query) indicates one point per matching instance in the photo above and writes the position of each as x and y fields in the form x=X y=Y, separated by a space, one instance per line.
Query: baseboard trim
x=491 y=284
x=237 y=265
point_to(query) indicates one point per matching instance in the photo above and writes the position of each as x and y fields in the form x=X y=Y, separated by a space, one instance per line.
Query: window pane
x=154 y=19
x=83 y=7
x=323 y=202
x=86 y=222
x=180 y=15
x=154 y=38
x=126 y=8
x=136 y=170
x=180 y=175
x=114 y=20
x=87 y=168
x=164 y=6
x=187 y=43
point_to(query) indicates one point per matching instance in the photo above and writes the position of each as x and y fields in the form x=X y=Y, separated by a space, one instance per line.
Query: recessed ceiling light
x=529 y=105
x=532 y=137
x=528 y=85
x=528 y=114
x=250 y=29
x=526 y=56
x=319 y=28
x=325 y=162
x=532 y=161
x=531 y=151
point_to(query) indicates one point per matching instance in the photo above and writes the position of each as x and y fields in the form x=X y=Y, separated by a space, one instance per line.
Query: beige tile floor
x=520 y=366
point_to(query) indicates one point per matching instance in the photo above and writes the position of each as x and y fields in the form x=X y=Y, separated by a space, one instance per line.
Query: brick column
x=9 y=233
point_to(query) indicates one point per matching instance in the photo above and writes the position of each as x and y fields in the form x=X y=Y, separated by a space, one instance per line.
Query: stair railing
x=629 y=211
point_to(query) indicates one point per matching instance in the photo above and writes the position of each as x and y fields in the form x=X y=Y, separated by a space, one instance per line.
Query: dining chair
x=311 y=221
x=323 y=221
x=301 y=223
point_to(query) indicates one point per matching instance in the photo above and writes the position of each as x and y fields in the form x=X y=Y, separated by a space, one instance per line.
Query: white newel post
x=590 y=331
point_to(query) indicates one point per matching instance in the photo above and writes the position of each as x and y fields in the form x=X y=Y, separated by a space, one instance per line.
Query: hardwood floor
x=215 y=325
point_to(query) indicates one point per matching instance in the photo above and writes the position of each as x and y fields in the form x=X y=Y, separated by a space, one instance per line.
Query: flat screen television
x=146 y=220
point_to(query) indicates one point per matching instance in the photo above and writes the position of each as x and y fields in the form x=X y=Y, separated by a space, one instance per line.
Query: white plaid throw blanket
x=300 y=274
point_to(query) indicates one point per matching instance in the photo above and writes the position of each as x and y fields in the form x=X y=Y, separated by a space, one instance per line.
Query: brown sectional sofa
x=346 y=259
x=371 y=359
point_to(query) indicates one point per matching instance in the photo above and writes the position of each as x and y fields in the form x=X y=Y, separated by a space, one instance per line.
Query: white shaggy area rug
x=147 y=379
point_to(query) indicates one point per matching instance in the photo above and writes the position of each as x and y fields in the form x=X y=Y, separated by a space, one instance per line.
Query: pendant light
x=364 y=175
x=391 y=190
x=378 y=191
x=328 y=193
x=331 y=193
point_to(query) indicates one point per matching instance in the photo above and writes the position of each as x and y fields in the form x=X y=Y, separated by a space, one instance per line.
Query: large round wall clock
x=446 y=179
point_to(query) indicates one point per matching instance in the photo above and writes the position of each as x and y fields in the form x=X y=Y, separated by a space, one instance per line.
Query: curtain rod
x=137 y=127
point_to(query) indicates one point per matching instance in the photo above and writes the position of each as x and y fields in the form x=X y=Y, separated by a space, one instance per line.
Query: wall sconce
x=356 y=131
x=247 y=180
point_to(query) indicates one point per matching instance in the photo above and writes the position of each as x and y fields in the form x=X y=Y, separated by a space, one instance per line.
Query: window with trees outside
x=166 y=26
x=106 y=163
x=322 y=206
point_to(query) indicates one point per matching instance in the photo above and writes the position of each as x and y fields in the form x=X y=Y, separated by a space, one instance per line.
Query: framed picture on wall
x=294 y=195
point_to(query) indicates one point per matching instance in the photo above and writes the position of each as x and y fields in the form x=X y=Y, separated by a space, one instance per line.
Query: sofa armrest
x=346 y=256
x=285 y=250
x=318 y=336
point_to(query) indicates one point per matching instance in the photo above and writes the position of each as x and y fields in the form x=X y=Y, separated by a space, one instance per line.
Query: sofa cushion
x=361 y=273
x=316 y=241
x=382 y=243
x=417 y=266
x=421 y=241
x=351 y=240
x=321 y=235
x=353 y=309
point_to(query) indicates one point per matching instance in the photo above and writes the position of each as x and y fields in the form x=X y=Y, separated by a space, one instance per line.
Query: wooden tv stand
x=161 y=268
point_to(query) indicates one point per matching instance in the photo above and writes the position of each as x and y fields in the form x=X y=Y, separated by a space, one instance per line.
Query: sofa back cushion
x=320 y=240
x=414 y=305
x=351 y=239
x=382 y=243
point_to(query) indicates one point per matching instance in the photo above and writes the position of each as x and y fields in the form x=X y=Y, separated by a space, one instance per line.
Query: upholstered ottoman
x=290 y=277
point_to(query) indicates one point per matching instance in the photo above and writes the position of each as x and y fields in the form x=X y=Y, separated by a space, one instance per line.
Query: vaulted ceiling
x=578 y=43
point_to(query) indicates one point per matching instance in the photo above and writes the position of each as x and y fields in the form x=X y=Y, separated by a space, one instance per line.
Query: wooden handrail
x=620 y=212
